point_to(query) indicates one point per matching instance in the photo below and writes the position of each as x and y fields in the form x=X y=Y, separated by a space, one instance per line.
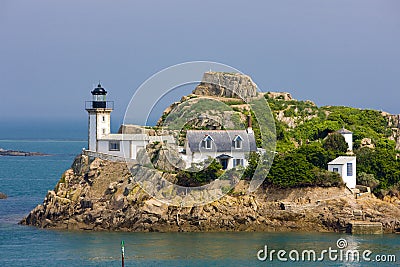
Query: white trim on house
x=207 y=142
x=238 y=140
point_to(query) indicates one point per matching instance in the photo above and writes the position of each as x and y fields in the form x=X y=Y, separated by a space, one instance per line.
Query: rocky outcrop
x=280 y=95
x=102 y=195
x=17 y=153
x=394 y=124
x=223 y=84
x=367 y=142
x=165 y=157
x=3 y=196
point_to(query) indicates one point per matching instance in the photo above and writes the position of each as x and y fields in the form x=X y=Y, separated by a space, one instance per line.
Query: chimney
x=249 y=128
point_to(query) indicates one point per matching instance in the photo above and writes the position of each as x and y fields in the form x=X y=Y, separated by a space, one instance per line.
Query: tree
x=381 y=163
x=250 y=169
x=198 y=176
x=336 y=142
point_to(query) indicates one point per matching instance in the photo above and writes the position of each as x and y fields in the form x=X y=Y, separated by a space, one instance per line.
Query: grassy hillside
x=300 y=122
x=303 y=129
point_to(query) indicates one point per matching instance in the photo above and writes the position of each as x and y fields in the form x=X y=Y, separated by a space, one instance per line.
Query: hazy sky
x=52 y=53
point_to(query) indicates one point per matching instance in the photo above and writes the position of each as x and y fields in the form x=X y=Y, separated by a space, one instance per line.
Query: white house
x=348 y=136
x=346 y=167
x=230 y=147
x=100 y=138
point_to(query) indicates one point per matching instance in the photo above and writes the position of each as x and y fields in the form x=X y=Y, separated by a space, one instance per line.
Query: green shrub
x=367 y=180
x=326 y=178
x=316 y=155
x=198 y=176
x=292 y=170
x=381 y=163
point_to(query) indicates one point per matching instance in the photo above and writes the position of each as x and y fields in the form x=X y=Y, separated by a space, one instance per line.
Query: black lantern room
x=99 y=97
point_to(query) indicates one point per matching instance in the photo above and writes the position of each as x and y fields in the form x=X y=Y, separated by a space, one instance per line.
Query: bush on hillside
x=367 y=179
x=336 y=142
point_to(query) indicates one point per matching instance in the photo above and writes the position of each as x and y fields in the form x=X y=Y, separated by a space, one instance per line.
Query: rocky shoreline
x=102 y=195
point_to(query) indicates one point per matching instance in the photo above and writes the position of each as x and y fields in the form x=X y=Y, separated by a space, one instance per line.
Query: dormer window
x=207 y=142
x=237 y=142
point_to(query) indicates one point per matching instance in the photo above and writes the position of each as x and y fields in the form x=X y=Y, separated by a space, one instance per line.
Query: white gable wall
x=349 y=180
x=349 y=140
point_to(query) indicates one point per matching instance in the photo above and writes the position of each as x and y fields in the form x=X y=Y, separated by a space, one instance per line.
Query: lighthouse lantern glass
x=99 y=98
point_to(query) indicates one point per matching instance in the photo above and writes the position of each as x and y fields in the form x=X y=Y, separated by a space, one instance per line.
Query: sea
x=26 y=181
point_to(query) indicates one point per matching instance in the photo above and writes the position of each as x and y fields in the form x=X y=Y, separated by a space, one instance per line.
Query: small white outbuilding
x=346 y=167
x=348 y=136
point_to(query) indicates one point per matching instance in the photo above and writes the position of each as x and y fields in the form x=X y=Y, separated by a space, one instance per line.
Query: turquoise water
x=26 y=180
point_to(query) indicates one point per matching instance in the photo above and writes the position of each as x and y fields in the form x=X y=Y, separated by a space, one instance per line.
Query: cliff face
x=102 y=195
x=394 y=124
x=222 y=84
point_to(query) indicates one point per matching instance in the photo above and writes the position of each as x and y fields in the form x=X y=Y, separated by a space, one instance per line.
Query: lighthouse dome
x=99 y=90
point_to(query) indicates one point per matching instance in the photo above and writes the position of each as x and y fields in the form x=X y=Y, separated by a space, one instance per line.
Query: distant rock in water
x=3 y=196
x=20 y=153
x=223 y=84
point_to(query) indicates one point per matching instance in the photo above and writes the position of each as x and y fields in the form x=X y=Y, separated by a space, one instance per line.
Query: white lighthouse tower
x=99 y=116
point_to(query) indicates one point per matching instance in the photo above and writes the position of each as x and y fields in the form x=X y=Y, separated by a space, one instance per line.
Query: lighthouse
x=99 y=111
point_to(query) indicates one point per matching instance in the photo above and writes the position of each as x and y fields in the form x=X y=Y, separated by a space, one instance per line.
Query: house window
x=104 y=131
x=113 y=146
x=206 y=142
x=335 y=169
x=104 y=118
x=349 y=169
x=237 y=162
x=237 y=142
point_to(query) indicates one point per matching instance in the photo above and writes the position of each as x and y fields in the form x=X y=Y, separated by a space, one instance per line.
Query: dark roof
x=223 y=139
x=224 y=156
x=99 y=90
x=344 y=131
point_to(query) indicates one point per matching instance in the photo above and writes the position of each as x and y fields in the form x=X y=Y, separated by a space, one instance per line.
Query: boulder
x=223 y=84
x=280 y=95
x=367 y=142
x=3 y=196
x=80 y=164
